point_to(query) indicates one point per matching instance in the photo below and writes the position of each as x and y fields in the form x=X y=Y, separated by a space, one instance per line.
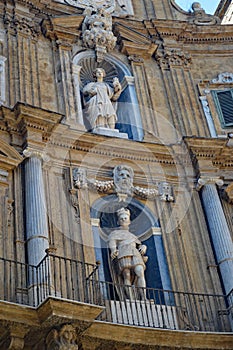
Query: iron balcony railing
x=74 y=280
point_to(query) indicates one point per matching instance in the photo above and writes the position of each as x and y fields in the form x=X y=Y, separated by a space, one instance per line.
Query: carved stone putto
x=97 y=32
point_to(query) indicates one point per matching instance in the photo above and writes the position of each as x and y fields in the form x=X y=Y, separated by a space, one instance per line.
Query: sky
x=208 y=5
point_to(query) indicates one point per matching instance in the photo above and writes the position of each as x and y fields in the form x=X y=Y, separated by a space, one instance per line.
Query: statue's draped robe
x=99 y=103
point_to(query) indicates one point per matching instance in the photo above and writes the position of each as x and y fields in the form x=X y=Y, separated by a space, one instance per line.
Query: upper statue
x=99 y=110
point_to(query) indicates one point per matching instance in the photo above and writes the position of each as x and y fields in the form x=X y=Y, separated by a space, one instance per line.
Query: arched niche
x=143 y=224
x=129 y=118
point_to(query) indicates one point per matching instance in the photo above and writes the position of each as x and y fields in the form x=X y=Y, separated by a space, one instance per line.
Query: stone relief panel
x=63 y=339
x=119 y=8
x=122 y=185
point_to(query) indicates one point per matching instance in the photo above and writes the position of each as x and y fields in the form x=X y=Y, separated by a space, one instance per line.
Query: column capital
x=202 y=181
x=29 y=153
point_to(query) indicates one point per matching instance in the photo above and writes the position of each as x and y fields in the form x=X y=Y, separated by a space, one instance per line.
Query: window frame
x=219 y=108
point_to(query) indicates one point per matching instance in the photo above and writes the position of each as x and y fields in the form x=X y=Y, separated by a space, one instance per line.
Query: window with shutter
x=224 y=104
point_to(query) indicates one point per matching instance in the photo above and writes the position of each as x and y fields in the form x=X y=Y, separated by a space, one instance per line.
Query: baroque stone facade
x=73 y=271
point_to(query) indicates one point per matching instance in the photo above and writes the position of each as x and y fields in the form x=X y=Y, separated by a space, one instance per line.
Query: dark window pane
x=225 y=99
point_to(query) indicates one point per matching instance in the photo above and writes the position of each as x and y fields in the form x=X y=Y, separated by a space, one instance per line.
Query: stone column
x=219 y=230
x=35 y=208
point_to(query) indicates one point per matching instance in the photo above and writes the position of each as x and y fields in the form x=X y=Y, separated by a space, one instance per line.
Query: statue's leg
x=127 y=282
x=141 y=282
x=112 y=122
x=100 y=121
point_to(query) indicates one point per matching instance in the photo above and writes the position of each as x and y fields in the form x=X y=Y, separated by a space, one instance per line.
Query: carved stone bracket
x=63 y=339
x=122 y=185
x=136 y=58
x=173 y=58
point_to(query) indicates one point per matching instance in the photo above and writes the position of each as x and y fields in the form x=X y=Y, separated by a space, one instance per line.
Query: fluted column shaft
x=220 y=233
x=36 y=217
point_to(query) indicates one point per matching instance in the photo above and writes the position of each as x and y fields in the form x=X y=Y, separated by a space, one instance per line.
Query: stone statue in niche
x=128 y=260
x=65 y=339
x=99 y=110
x=123 y=179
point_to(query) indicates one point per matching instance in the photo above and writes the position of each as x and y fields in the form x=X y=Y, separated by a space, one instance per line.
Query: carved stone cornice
x=185 y=32
x=134 y=39
x=64 y=29
x=31 y=123
x=216 y=153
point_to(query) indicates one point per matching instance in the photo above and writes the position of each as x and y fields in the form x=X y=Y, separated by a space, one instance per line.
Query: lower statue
x=128 y=257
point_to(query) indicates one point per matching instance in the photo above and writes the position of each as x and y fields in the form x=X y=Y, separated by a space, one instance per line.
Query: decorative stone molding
x=3 y=176
x=22 y=25
x=229 y=193
x=208 y=116
x=122 y=185
x=119 y=8
x=201 y=18
x=2 y=80
x=202 y=181
x=63 y=339
x=173 y=58
x=136 y=58
x=97 y=32
x=75 y=204
x=80 y=178
x=10 y=209
x=223 y=78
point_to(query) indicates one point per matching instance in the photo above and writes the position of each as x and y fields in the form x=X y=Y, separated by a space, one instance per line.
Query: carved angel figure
x=99 y=110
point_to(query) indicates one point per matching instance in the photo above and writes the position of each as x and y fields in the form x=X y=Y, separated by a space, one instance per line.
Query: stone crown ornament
x=97 y=31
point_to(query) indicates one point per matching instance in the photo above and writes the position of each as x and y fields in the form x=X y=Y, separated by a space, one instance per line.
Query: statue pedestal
x=110 y=132
x=143 y=313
